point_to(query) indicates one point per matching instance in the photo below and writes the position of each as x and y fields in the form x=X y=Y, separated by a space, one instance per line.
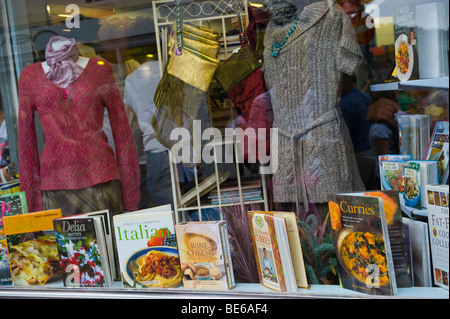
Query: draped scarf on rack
x=182 y=91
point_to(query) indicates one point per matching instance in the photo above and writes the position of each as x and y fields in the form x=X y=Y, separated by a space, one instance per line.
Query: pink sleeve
x=29 y=167
x=126 y=153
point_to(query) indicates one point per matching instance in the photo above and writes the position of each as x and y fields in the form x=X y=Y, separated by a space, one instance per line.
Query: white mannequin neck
x=82 y=61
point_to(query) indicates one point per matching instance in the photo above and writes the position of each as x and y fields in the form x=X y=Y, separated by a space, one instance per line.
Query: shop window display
x=94 y=129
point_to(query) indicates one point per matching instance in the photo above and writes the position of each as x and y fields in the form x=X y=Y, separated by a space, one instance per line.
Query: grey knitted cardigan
x=315 y=155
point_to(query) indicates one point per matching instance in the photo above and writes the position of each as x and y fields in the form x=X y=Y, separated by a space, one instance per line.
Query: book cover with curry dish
x=32 y=249
x=362 y=245
x=205 y=255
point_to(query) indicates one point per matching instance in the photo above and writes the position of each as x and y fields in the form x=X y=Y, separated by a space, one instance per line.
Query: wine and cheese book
x=205 y=255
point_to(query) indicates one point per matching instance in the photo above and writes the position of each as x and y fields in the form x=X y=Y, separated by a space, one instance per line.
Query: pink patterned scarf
x=63 y=67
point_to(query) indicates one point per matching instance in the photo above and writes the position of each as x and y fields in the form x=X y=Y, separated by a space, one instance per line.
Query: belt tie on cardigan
x=296 y=136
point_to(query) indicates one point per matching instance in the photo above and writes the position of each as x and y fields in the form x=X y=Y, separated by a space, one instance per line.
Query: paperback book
x=405 y=33
x=414 y=134
x=273 y=252
x=398 y=237
x=10 y=204
x=146 y=245
x=429 y=175
x=420 y=250
x=32 y=249
x=391 y=171
x=205 y=255
x=83 y=251
x=438 y=230
x=361 y=239
x=438 y=149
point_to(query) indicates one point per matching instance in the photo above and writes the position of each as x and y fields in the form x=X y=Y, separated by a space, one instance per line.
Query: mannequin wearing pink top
x=77 y=170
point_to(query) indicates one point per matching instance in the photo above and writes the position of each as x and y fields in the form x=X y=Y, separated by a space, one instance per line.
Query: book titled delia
x=362 y=245
x=205 y=255
x=83 y=251
x=32 y=249
x=146 y=246
x=272 y=252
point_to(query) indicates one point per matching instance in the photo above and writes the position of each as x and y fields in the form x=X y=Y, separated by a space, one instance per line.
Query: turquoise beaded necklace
x=278 y=46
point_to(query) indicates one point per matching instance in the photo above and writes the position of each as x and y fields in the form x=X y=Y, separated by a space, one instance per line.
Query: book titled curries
x=278 y=255
x=205 y=255
x=32 y=249
x=361 y=239
x=83 y=251
x=10 y=204
x=438 y=230
x=146 y=246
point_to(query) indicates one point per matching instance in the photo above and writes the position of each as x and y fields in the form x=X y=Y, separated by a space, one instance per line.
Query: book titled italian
x=205 y=255
x=32 y=249
x=363 y=250
x=438 y=229
x=10 y=204
x=147 y=250
x=83 y=252
x=272 y=253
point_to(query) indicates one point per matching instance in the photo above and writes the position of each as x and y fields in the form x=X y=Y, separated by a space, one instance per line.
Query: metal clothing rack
x=165 y=13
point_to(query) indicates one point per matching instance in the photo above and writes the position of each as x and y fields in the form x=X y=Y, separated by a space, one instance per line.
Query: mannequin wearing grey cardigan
x=315 y=156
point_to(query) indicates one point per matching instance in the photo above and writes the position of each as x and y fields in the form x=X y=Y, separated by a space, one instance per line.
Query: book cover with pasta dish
x=147 y=250
x=362 y=245
x=32 y=250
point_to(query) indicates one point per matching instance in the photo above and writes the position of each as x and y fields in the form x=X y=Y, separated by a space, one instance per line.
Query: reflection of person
x=354 y=105
x=113 y=36
x=77 y=171
x=140 y=88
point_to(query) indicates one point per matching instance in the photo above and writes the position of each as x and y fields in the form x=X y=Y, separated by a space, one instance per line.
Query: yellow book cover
x=32 y=249
x=294 y=245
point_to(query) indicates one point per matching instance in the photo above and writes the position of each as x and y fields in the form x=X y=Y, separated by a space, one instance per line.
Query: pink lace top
x=76 y=153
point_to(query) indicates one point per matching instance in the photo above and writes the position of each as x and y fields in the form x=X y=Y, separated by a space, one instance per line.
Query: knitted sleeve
x=126 y=153
x=349 y=54
x=29 y=166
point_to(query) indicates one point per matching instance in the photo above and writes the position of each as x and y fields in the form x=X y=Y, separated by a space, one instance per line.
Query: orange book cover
x=32 y=249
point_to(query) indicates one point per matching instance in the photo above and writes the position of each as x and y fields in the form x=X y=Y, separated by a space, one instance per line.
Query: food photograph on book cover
x=195 y=149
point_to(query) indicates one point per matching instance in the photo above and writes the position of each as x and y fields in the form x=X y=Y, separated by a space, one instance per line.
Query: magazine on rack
x=438 y=149
x=10 y=204
x=438 y=230
x=362 y=244
x=272 y=250
x=205 y=255
x=146 y=246
x=32 y=249
x=83 y=251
